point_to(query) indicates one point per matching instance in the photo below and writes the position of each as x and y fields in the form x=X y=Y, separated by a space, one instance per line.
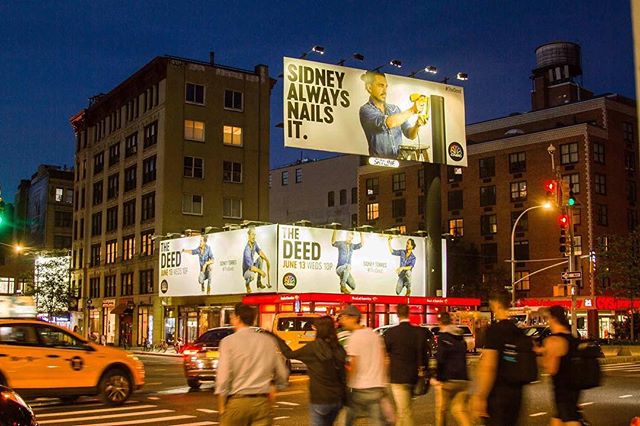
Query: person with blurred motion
x=556 y=353
x=452 y=377
x=408 y=350
x=325 y=359
x=494 y=397
x=249 y=362
x=365 y=370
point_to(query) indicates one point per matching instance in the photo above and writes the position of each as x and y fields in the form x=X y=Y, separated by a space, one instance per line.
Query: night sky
x=55 y=55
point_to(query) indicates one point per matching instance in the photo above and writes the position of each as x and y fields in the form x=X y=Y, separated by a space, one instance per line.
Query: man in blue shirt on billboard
x=205 y=257
x=252 y=266
x=343 y=267
x=383 y=123
x=407 y=262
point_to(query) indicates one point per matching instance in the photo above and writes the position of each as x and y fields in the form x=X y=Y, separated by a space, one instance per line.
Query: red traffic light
x=550 y=186
x=563 y=220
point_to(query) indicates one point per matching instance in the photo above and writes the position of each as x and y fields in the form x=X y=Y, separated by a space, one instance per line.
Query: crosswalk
x=626 y=369
x=132 y=413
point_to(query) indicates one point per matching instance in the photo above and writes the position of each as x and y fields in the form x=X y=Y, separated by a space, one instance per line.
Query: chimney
x=212 y=57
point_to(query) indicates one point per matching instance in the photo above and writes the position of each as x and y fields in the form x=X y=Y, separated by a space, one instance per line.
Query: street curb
x=619 y=359
x=156 y=354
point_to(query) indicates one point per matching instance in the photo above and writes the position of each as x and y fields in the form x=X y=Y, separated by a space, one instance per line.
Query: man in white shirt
x=366 y=378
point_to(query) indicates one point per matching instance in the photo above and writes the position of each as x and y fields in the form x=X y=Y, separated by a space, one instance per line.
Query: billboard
x=233 y=262
x=315 y=260
x=348 y=110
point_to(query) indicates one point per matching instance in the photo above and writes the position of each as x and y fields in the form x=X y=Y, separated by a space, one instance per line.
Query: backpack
x=584 y=367
x=518 y=363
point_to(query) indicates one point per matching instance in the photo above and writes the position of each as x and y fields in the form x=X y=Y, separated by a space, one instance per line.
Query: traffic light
x=563 y=221
x=563 y=240
x=1 y=211
x=551 y=188
x=571 y=200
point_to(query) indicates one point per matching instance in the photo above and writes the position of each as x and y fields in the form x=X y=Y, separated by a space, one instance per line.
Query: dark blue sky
x=55 y=55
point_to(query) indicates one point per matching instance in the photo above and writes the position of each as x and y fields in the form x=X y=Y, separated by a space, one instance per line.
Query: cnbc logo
x=289 y=281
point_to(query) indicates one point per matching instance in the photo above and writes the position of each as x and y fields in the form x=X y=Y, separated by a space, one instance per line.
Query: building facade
x=319 y=191
x=179 y=146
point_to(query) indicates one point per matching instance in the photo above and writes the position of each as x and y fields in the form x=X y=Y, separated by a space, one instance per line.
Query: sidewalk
x=170 y=352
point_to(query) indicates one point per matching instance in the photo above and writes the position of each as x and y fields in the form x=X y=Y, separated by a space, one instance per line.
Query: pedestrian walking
x=249 y=362
x=366 y=379
x=408 y=351
x=452 y=377
x=325 y=359
x=496 y=397
x=557 y=351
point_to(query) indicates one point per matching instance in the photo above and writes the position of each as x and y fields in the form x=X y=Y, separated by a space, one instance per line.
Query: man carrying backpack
x=502 y=371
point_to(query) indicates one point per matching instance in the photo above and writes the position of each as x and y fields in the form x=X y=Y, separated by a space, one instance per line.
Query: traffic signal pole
x=572 y=281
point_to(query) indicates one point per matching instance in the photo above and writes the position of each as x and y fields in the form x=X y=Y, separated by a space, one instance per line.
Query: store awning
x=119 y=309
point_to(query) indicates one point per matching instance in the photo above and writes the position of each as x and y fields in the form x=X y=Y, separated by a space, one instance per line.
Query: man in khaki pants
x=249 y=363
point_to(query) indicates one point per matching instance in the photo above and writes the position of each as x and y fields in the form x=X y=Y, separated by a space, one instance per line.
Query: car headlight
x=215 y=363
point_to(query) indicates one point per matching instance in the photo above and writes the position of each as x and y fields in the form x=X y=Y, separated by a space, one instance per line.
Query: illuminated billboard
x=352 y=111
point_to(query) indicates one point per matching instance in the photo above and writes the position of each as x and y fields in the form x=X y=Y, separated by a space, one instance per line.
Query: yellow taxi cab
x=41 y=359
x=295 y=328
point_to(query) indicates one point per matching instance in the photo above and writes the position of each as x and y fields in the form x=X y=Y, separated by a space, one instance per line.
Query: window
x=487 y=195
x=146 y=281
x=126 y=284
x=82 y=198
x=398 y=208
x=98 y=163
x=63 y=219
x=95 y=254
x=194 y=93
x=331 y=199
x=148 y=206
x=232 y=208
x=131 y=145
x=372 y=186
x=61 y=241
x=627 y=129
x=602 y=216
x=487 y=167
x=59 y=195
x=522 y=280
x=194 y=130
x=598 y=153
x=343 y=197
x=18 y=334
x=270 y=179
x=111 y=249
x=232 y=135
x=298 y=175
x=488 y=224
x=96 y=224
x=114 y=154
x=146 y=243
x=284 y=178
x=489 y=253
x=68 y=196
x=97 y=193
x=421 y=178
x=112 y=219
x=373 y=211
x=150 y=134
x=231 y=172
x=454 y=200
x=421 y=204
x=149 y=170
x=192 y=204
x=517 y=162
x=456 y=227
x=128 y=247
x=398 y=182
x=130 y=178
x=569 y=153
x=629 y=161
x=631 y=192
x=113 y=186
x=233 y=100
x=600 y=184
x=454 y=174
x=94 y=287
x=129 y=213
x=81 y=228
x=518 y=191
x=194 y=167
x=521 y=250
x=110 y=286
x=572 y=182
x=523 y=223
x=354 y=195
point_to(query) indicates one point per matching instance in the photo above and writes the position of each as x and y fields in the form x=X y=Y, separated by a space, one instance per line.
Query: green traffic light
x=571 y=201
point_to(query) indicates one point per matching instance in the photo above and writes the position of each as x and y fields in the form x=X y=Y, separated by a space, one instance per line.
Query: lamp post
x=513 y=246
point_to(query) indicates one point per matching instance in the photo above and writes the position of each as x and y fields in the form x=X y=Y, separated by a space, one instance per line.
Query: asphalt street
x=166 y=400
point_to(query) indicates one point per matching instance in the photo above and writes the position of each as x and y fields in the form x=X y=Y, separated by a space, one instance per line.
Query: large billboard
x=234 y=262
x=315 y=260
x=348 y=110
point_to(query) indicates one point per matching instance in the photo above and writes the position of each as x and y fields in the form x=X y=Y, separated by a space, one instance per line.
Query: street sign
x=572 y=275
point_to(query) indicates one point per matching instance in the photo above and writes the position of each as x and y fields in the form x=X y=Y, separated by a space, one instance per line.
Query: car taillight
x=190 y=350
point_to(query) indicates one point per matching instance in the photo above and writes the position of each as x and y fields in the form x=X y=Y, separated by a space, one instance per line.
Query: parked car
x=538 y=332
x=13 y=410
x=468 y=336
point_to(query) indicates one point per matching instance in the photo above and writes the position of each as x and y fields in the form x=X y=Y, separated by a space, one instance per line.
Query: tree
x=618 y=262
x=51 y=285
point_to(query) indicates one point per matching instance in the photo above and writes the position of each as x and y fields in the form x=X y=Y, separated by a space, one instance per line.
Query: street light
x=545 y=206
x=429 y=70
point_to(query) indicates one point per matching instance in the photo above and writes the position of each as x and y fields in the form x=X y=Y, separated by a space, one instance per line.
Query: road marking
x=625 y=396
x=541 y=413
x=135 y=422
x=534 y=382
x=288 y=393
x=584 y=404
x=299 y=379
x=108 y=416
x=282 y=418
x=197 y=424
x=206 y=410
x=153 y=398
x=153 y=383
x=159 y=369
x=102 y=410
x=293 y=404
x=544 y=374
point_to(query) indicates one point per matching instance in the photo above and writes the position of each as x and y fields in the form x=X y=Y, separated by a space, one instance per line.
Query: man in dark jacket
x=452 y=373
x=408 y=349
